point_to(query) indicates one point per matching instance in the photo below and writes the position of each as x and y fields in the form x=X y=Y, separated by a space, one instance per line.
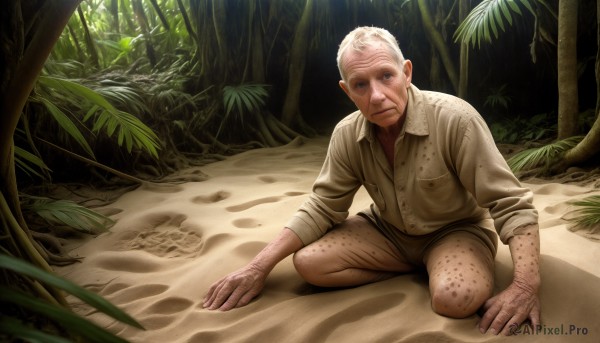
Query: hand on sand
x=505 y=312
x=235 y=290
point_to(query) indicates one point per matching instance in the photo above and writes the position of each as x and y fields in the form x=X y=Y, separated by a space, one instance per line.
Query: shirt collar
x=416 y=118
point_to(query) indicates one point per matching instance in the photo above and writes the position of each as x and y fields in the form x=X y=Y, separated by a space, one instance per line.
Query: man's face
x=377 y=84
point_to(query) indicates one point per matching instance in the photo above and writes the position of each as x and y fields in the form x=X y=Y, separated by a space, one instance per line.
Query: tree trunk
x=28 y=58
x=568 y=104
x=590 y=145
x=291 y=105
x=188 y=24
x=140 y=15
x=89 y=41
x=438 y=41
x=463 y=81
x=258 y=55
x=219 y=24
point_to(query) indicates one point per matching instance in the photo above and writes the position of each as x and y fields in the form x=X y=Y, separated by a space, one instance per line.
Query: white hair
x=364 y=36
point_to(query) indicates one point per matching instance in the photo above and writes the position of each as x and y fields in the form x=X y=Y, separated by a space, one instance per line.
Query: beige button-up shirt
x=447 y=169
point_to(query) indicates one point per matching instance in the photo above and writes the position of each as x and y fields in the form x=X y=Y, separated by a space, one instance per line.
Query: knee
x=457 y=301
x=308 y=266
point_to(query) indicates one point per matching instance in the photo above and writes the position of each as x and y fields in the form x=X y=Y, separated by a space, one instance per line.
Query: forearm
x=525 y=251
x=285 y=244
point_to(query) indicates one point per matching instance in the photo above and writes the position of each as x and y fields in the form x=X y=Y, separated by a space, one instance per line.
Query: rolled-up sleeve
x=332 y=193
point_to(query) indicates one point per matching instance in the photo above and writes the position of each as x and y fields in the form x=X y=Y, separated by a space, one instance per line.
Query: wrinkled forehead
x=370 y=52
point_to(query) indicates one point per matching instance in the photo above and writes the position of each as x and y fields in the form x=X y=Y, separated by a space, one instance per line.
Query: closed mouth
x=380 y=112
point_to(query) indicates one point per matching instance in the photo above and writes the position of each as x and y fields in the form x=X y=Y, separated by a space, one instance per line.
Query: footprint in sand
x=163 y=235
x=211 y=198
x=273 y=179
x=294 y=194
x=126 y=261
x=161 y=187
x=246 y=223
x=124 y=294
x=169 y=305
x=158 y=314
x=250 y=204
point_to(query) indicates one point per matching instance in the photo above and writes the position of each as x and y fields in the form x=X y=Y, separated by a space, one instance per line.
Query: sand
x=171 y=242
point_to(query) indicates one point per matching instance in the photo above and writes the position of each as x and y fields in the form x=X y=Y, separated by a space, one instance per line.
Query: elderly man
x=440 y=190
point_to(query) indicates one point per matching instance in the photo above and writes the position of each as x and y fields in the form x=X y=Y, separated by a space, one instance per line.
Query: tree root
x=53 y=248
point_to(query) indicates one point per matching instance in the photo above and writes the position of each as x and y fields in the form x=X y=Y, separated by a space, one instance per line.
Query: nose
x=377 y=96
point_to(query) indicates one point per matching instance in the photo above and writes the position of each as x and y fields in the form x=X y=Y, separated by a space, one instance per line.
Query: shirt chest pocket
x=437 y=196
x=376 y=195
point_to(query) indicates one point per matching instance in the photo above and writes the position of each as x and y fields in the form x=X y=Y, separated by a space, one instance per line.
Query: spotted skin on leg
x=351 y=254
x=461 y=274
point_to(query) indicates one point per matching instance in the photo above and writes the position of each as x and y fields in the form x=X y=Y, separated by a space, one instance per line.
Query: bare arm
x=519 y=302
x=240 y=287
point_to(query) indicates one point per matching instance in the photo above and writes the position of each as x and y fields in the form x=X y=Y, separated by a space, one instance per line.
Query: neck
x=390 y=132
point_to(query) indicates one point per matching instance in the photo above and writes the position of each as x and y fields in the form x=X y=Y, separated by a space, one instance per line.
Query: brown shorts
x=414 y=247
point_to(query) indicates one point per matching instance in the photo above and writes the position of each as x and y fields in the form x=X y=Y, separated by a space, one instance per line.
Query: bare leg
x=461 y=274
x=351 y=254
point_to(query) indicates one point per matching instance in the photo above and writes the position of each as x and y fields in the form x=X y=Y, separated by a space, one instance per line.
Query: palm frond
x=130 y=130
x=67 y=124
x=244 y=98
x=545 y=155
x=586 y=214
x=486 y=18
x=124 y=97
x=65 y=212
x=89 y=331
x=59 y=314
x=498 y=97
x=15 y=329
x=25 y=161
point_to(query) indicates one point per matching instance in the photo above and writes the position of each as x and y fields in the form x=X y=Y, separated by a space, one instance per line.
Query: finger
x=245 y=300
x=534 y=316
x=520 y=315
x=233 y=299
x=501 y=320
x=221 y=295
x=212 y=293
x=513 y=324
x=488 y=317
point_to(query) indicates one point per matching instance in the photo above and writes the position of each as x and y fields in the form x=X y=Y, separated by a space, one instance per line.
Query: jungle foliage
x=139 y=89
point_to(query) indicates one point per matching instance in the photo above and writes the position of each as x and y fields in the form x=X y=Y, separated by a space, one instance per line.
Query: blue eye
x=387 y=76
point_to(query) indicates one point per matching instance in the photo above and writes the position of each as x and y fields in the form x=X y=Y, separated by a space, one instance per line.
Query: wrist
x=529 y=283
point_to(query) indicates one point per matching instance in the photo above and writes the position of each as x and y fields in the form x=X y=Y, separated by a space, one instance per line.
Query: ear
x=407 y=70
x=344 y=86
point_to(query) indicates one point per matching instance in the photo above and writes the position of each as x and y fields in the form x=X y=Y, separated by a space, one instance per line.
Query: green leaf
x=77 y=90
x=484 y=19
x=16 y=329
x=244 y=98
x=106 y=116
x=587 y=212
x=94 y=300
x=72 y=322
x=63 y=120
x=24 y=159
x=506 y=11
x=514 y=6
x=71 y=214
x=545 y=155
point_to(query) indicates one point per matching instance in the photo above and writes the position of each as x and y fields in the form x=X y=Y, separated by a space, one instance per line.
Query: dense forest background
x=212 y=78
x=118 y=92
